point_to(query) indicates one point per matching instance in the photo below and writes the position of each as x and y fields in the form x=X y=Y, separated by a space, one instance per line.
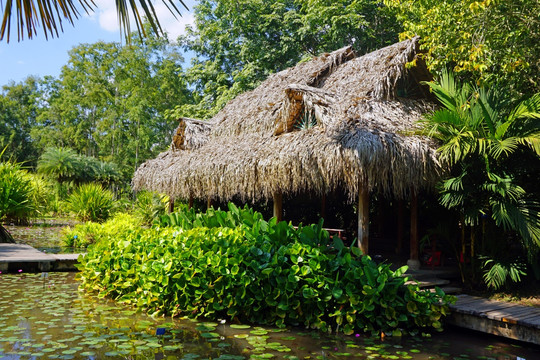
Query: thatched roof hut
x=337 y=120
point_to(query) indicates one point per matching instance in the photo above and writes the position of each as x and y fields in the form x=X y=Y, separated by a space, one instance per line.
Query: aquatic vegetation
x=43 y=316
x=82 y=235
x=234 y=265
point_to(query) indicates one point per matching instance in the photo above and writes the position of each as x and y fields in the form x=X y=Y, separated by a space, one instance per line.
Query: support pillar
x=171 y=206
x=190 y=202
x=209 y=203
x=414 y=262
x=278 y=206
x=363 y=216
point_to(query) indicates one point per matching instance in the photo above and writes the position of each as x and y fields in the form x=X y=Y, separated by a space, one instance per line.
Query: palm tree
x=482 y=138
x=62 y=164
x=50 y=13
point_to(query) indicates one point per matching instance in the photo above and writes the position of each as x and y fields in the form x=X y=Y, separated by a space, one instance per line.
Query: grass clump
x=90 y=202
x=235 y=265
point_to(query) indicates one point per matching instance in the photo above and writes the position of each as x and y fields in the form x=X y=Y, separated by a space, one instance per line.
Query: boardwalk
x=18 y=256
x=496 y=317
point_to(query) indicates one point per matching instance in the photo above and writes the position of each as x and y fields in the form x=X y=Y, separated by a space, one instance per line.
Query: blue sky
x=46 y=57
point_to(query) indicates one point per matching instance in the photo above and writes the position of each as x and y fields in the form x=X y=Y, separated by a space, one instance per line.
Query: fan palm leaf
x=29 y=14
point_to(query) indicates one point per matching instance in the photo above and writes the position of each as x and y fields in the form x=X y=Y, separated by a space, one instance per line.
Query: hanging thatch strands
x=361 y=113
x=190 y=134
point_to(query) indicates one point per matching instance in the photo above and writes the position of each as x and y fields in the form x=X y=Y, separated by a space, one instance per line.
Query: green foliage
x=486 y=41
x=61 y=164
x=150 y=206
x=18 y=113
x=236 y=265
x=90 y=202
x=83 y=235
x=109 y=101
x=43 y=195
x=483 y=135
x=16 y=193
x=237 y=44
x=497 y=273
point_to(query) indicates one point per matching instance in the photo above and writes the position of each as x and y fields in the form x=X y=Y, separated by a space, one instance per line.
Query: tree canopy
x=237 y=44
x=484 y=41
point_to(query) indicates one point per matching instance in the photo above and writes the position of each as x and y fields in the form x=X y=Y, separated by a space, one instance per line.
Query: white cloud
x=106 y=16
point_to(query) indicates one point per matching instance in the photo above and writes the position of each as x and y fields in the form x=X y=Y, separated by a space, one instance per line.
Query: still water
x=44 y=316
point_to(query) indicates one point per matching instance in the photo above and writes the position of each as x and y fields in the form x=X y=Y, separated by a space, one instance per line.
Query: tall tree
x=109 y=101
x=19 y=109
x=239 y=43
x=484 y=41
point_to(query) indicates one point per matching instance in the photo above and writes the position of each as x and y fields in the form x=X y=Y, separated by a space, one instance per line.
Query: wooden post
x=209 y=203
x=414 y=262
x=400 y=226
x=363 y=216
x=190 y=202
x=171 y=205
x=278 y=206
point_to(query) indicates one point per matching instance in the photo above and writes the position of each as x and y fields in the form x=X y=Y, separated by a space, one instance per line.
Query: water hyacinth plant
x=234 y=265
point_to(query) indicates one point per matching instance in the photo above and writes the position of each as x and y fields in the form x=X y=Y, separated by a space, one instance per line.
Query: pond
x=44 y=316
x=43 y=234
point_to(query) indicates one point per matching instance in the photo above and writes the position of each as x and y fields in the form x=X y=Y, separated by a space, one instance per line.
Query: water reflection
x=47 y=318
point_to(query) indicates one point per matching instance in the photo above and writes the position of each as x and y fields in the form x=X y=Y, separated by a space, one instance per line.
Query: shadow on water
x=44 y=316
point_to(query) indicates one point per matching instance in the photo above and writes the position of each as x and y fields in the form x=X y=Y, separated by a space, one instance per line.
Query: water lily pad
x=209 y=335
x=239 y=326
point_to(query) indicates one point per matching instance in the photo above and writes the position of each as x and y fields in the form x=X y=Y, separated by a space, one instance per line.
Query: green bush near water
x=235 y=265
x=83 y=235
x=90 y=202
x=16 y=193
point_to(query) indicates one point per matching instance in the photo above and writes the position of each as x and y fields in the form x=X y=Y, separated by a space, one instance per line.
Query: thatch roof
x=363 y=109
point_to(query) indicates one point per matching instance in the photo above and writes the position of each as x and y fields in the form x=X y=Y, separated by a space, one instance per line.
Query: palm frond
x=31 y=14
x=529 y=108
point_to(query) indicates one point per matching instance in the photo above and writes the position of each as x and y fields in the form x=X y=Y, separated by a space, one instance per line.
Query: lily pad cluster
x=234 y=265
x=47 y=318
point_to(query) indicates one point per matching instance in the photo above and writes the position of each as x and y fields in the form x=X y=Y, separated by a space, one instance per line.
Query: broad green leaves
x=223 y=265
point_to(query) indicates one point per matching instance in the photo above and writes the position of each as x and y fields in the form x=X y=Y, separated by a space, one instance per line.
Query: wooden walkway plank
x=25 y=256
x=496 y=317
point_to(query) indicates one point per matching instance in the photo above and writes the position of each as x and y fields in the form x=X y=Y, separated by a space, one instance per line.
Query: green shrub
x=258 y=272
x=90 y=202
x=16 y=193
x=83 y=235
x=149 y=206
x=43 y=195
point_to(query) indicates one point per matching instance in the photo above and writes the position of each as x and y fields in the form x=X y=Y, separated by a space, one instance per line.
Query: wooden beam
x=363 y=216
x=190 y=202
x=278 y=206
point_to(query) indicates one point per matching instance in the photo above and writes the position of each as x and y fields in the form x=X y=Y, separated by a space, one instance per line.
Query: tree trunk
x=363 y=216
x=278 y=206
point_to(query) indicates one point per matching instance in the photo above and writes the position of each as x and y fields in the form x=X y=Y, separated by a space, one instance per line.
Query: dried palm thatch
x=363 y=109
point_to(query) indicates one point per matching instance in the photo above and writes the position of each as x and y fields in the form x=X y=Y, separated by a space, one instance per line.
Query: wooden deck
x=496 y=317
x=14 y=257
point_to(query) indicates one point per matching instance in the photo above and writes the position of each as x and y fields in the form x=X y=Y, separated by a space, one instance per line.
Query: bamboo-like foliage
x=254 y=148
x=29 y=14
